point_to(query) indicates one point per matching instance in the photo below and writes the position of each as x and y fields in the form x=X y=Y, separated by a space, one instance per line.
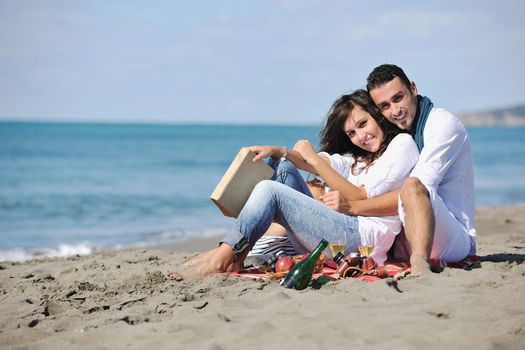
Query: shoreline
x=195 y=245
x=120 y=299
x=190 y=245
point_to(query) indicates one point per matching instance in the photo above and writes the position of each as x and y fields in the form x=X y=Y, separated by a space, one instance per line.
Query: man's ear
x=413 y=88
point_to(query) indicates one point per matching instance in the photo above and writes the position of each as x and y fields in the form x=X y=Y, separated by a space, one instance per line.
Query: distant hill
x=514 y=116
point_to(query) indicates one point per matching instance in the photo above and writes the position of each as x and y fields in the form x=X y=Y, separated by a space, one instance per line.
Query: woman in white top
x=363 y=156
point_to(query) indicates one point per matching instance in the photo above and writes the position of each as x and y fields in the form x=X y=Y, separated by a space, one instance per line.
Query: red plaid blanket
x=393 y=269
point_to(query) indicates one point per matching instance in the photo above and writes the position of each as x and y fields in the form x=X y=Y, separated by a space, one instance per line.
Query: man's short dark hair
x=385 y=73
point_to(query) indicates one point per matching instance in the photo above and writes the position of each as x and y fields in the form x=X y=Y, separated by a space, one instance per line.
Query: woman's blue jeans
x=287 y=200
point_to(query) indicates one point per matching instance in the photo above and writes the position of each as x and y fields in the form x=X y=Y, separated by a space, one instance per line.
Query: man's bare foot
x=418 y=265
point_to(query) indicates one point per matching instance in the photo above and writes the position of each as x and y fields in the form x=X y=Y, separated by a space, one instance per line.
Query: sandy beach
x=116 y=300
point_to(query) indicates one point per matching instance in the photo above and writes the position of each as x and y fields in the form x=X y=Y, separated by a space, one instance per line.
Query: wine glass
x=337 y=244
x=337 y=247
x=365 y=250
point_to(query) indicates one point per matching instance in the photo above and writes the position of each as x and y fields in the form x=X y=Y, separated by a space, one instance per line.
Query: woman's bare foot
x=215 y=261
x=236 y=266
x=172 y=275
x=190 y=274
x=197 y=259
x=186 y=265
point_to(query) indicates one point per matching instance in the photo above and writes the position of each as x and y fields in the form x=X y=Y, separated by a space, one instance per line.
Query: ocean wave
x=61 y=250
x=86 y=248
x=178 y=235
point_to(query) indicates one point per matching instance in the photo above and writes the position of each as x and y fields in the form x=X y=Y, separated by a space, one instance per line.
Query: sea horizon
x=157 y=122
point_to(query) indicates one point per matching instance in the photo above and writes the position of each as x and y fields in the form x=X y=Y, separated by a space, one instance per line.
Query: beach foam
x=165 y=237
x=62 y=250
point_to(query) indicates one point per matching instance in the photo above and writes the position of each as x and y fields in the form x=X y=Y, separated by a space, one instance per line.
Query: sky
x=237 y=61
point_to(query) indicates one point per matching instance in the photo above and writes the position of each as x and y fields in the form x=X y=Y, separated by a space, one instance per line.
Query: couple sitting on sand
x=390 y=158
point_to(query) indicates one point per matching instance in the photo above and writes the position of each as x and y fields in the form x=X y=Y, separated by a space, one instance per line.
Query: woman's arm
x=385 y=178
x=321 y=166
x=277 y=152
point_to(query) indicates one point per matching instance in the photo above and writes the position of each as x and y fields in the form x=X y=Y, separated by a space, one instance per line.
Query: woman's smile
x=363 y=130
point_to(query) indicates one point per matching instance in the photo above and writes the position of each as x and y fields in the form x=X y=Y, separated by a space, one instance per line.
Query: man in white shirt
x=436 y=203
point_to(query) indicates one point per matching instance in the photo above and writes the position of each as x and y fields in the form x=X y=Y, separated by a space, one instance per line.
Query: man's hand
x=336 y=201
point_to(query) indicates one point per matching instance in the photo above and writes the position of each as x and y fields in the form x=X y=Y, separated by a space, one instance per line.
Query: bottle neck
x=319 y=249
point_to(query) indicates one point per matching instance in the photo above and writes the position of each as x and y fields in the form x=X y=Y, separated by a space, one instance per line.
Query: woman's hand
x=336 y=201
x=305 y=149
x=266 y=152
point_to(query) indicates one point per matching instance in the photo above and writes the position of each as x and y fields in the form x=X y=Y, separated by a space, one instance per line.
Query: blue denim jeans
x=287 y=200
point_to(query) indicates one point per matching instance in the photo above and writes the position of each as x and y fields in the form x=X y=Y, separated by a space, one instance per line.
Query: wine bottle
x=301 y=273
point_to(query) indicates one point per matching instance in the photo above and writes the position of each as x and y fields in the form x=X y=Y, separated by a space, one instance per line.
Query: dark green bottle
x=301 y=273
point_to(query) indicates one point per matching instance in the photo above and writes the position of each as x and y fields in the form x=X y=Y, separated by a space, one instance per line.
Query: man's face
x=397 y=103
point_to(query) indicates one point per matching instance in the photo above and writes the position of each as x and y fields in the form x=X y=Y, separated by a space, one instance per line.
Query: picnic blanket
x=328 y=269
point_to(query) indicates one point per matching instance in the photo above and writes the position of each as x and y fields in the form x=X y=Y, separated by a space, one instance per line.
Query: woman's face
x=363 y=130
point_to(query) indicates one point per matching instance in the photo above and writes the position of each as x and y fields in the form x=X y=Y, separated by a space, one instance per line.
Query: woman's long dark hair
x=334 y=139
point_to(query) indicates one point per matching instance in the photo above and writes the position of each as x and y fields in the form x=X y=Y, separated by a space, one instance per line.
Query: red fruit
x=284 y=264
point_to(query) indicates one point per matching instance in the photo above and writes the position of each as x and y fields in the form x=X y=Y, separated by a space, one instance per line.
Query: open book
x=237 y=184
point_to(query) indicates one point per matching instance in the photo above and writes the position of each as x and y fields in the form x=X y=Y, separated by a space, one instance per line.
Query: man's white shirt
x=445 y=167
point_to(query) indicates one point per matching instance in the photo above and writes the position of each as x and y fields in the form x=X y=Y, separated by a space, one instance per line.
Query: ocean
x=75 y=188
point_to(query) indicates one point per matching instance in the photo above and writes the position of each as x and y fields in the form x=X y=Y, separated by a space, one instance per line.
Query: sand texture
x=117 y=300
